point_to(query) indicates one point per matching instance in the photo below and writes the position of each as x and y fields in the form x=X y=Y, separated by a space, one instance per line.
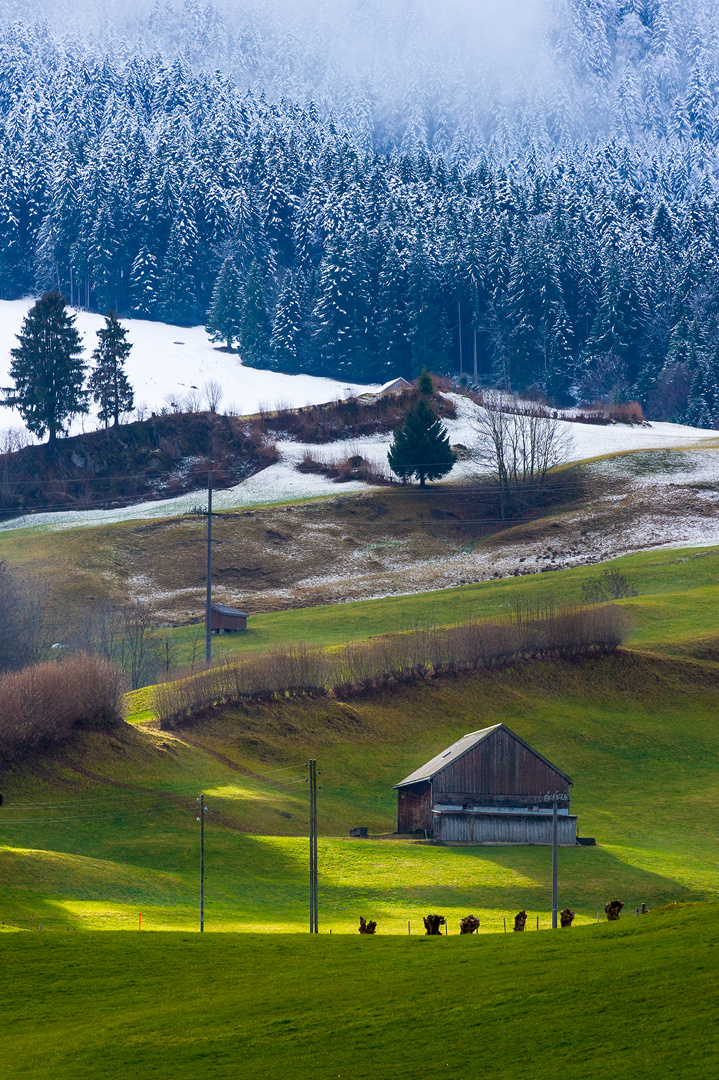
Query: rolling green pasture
x=674 y=613
x=108 y=827
x=637 y=998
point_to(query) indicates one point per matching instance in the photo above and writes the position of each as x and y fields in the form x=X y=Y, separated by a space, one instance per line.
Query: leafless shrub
x=192 y=402
x=125 y=635
x=353 y=467
x=612 y=909
x=172 y=403
x=367 y=927
x=347 y=417
x=610 y=585
x=433 y=924
x=141 y=412
x=26 y=625
x=268 y=452
x=421 y=653
x=14 y=439
x=566 y=918
x=213 y=395
x=517 y=447
x=44 y=703
x=626 y=412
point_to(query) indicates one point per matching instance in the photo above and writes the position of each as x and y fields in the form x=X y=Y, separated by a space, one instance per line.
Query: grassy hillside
x=616 y=1001
x=107 y=827
x=673 y=614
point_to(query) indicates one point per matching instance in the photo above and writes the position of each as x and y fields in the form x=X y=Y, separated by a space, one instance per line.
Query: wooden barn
x=227 y=620
x=487 y=788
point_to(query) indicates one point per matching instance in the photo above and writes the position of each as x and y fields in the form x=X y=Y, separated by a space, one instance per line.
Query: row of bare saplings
x=360 y=666
x=45 y=703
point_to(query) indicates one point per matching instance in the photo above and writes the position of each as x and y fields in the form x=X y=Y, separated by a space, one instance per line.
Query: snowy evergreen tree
x=144 y=285
x=703 y=408
x=108 y=383
x=254 y=329
x=177 y=302
x=225 y=314
x=47 y=368
x=288 y=331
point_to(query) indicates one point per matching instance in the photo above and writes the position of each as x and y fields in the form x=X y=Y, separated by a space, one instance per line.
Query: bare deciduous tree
x=127 y=636
x=213 y=395
x=26 y=626
x=518 y=445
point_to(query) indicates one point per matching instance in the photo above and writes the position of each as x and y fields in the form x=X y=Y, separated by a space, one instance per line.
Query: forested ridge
x=578 y=256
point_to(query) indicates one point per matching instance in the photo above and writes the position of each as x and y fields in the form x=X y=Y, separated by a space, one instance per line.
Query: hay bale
x=612 y=908
x=367 y=927
x=468 y=924
x=566 y=917
x=432 y=924
x=520 y=920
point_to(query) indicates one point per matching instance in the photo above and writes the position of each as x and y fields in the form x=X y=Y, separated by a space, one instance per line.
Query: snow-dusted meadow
x=283 y=483
x=169 y=364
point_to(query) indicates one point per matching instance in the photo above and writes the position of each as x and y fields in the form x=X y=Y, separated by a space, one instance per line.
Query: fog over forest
x=522 y=192
x=409 y=72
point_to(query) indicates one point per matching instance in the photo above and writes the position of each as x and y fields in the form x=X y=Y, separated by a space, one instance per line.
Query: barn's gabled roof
x=223 y=609
x=460 y=748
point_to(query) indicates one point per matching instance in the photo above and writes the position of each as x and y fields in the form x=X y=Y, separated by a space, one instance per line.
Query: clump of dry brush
x=422 y=652
x=45 y=703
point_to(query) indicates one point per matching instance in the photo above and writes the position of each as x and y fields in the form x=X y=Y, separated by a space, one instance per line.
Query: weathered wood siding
x=502 y=829
x=498 y=766
x=219 y=621
x=414 y=807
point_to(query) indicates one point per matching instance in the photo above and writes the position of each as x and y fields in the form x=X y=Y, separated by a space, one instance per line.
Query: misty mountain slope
x=442 y=77
x=571 y=251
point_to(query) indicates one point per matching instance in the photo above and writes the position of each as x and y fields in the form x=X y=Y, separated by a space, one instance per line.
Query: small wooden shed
x=227 y=620
x=487 y=788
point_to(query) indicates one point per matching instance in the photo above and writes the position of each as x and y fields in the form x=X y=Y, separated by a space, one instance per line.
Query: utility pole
x=208 y=597
x=201 y=820
x=313 y=845
x=555 y=825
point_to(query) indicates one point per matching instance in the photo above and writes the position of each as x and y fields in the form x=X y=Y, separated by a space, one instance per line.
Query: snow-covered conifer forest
x=530 y=188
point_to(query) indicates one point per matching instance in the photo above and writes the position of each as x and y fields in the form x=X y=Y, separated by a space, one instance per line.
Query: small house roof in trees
x=395 y=386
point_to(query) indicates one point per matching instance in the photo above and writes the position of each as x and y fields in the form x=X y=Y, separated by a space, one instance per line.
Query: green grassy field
x=610 y=1002
x=107 y=827
x=98 y=831
x=674 y=612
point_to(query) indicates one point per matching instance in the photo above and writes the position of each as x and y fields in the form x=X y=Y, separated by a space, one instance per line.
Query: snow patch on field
x=167 y=361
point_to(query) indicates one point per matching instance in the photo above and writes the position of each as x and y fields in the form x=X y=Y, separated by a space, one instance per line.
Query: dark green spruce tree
x=287 y=333
x=223 y=318
x=421 y=447
x=108 y=383
x=47 y=368
x=254 y=335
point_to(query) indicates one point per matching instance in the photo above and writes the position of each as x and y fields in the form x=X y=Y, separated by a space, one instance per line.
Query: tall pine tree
x=254 y=335
x=225 y=314
x=108 y=383
x=47 y=368
x=144 y=285
x=287 y=333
